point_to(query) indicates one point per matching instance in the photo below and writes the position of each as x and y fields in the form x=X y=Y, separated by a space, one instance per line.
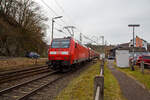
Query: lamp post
x=133 y=51
x=53 y=24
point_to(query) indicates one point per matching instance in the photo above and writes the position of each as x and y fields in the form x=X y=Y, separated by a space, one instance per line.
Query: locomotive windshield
x=146 y=57
x=60 y=43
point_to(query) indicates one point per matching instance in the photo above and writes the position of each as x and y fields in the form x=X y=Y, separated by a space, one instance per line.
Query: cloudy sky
x=108 y=18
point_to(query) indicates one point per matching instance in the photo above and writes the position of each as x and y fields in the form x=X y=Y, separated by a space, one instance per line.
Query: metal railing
x=99 y=84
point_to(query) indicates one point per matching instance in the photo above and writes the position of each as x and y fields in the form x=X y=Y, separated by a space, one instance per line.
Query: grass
x=111 y=87
x=137 y=75
x=81 y=88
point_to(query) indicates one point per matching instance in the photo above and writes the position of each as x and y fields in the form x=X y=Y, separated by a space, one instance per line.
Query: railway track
x=19 y=74
x=26 y=89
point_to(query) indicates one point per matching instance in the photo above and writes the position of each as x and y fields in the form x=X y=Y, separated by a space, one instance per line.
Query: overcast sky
x=109 y=18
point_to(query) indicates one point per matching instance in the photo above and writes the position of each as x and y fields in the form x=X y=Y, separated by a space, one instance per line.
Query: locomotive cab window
x=60 y=43
x=146 y=57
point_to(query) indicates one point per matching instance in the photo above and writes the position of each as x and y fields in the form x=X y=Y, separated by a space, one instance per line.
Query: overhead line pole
x=52 y=27
x=133 y=50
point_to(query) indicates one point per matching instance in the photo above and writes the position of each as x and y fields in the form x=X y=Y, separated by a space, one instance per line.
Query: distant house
x=141 y=47
x=139 y=42
x=125 y=46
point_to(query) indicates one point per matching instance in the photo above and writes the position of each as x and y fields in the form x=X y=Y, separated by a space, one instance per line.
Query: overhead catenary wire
x=69 y=18
x=49 y=7
x=58 y=24
x=58 y=4
x=60 y=31
x=52 y=10
x=62 y=9
x=54 y=13
x=66 y=16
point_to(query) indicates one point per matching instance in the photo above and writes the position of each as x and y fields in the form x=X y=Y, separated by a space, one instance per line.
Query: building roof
x=136 y=49
x=124 y=45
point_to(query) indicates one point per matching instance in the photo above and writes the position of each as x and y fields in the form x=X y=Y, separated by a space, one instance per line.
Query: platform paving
x=131 y=90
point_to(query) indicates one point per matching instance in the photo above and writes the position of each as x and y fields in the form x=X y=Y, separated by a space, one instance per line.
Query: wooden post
x=103 y=62
x=99 y=84
x=132 y=65
x=142 y=67
x=102 y=70
x=36 y=61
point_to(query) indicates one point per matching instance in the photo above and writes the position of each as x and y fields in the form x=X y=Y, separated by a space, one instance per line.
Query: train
x=63 y=53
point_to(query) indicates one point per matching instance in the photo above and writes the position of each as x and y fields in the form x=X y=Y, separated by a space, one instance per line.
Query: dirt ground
x=15 y=63
x=130 y=88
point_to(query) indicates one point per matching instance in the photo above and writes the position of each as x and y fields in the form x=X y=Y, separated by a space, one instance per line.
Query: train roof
x=71 y=38
x=62 y=38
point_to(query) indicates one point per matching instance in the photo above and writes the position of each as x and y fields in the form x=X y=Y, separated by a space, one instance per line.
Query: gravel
x=53 y=90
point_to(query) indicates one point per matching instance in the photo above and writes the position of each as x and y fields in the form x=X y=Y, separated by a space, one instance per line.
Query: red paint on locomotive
x=66 y=51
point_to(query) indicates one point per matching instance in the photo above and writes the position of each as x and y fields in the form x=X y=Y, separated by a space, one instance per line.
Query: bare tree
x=26 y=22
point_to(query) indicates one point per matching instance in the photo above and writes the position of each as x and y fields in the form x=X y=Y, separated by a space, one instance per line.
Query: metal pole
x=132 y=67
x=133 y=39
x=52 y=27
x=72 y=32
x=142 y=67
x=81 y=38
x=102 y=40
x=133 y=50
x=103 y=44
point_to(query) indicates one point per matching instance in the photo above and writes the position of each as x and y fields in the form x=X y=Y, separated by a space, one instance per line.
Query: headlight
x=65 y=53
x=52 y=52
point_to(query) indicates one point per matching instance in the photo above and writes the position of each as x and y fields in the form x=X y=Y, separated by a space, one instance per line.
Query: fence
x=99 y=84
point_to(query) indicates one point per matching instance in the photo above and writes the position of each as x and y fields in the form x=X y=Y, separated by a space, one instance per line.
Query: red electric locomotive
x=65 y=52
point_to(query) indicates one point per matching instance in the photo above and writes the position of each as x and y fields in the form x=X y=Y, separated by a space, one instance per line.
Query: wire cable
x=49 y=7
x=52 y=11
x=62 y=9
x=62 y=19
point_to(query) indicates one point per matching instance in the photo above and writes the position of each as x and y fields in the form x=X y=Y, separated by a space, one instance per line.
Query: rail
x=30 y=84
x=99 y=84
x=19 y=74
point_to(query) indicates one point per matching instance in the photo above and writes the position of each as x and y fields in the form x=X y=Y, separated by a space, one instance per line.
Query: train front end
x=59 y=53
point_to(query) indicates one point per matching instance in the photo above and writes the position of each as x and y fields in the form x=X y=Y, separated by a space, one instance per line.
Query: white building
x=122 y=58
